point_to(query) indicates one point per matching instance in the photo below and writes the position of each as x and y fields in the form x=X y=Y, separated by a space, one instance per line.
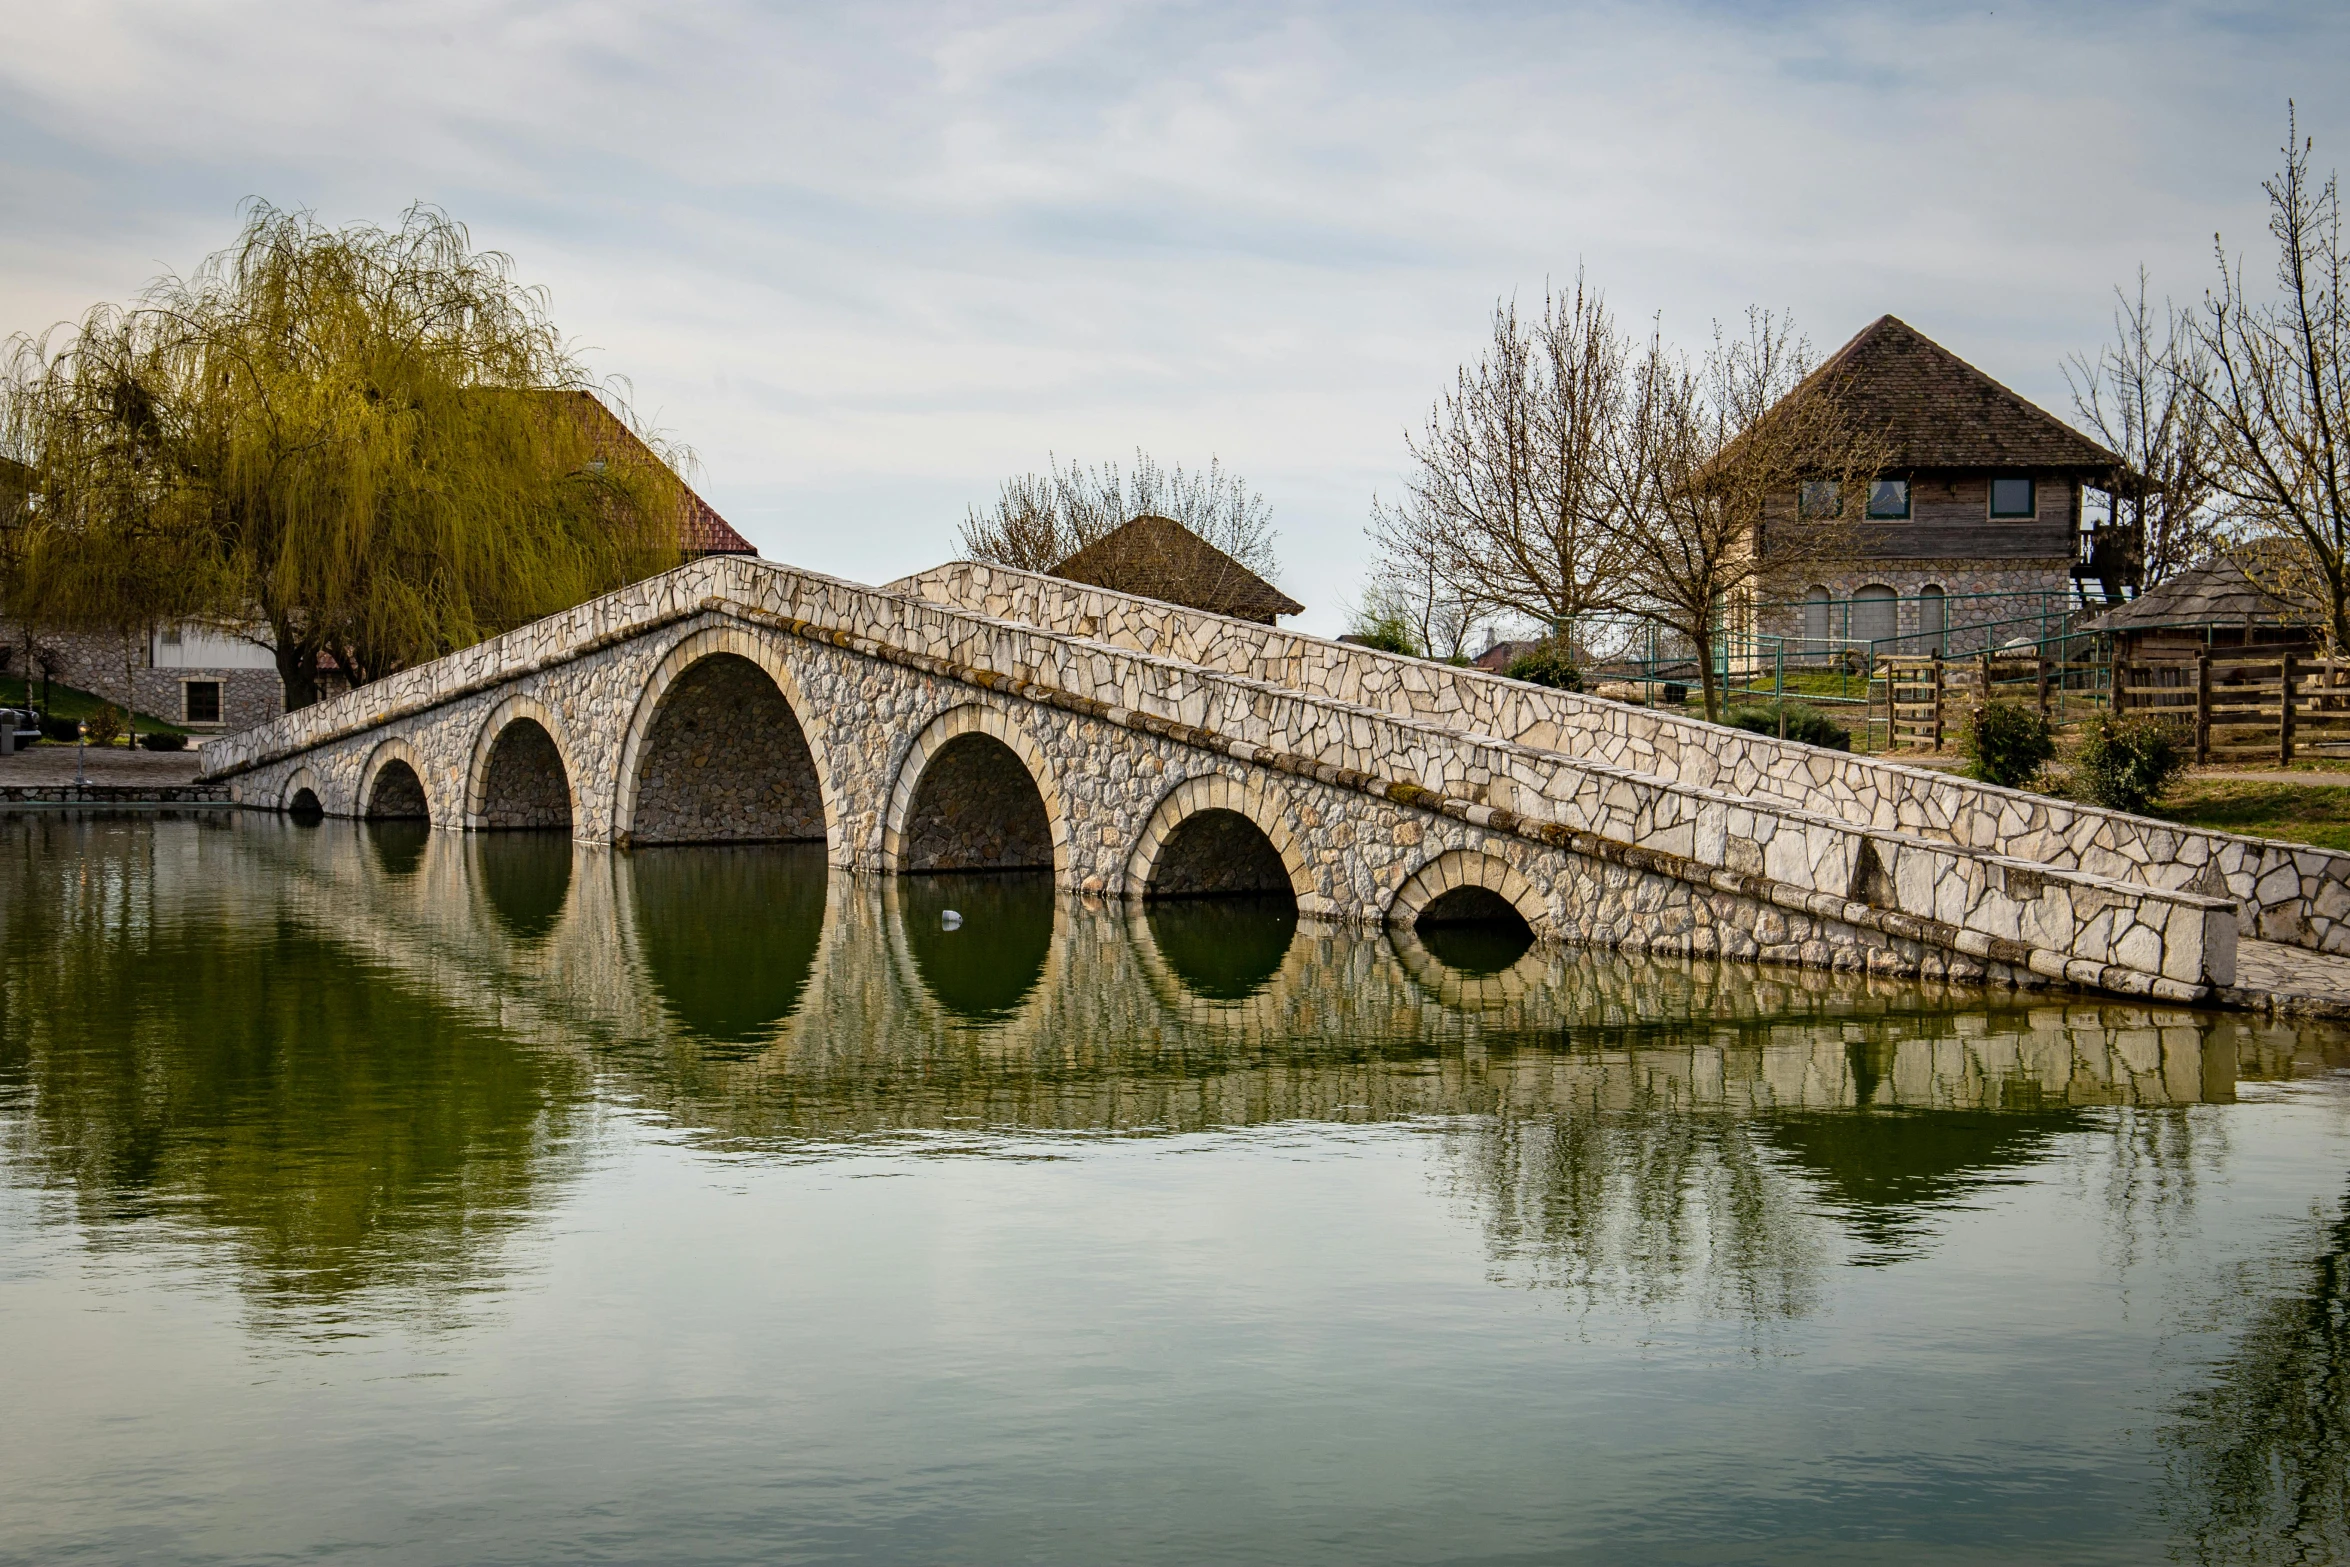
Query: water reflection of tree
x=180 y=1062
x=1646 y=1201
x=2260 y=1458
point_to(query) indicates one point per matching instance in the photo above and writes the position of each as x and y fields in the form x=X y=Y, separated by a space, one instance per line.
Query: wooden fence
x=1927 y=698
x=2242 y=709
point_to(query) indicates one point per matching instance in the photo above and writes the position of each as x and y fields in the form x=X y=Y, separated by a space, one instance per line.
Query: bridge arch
x=975 y=793
x=724 y=747
x=1214 y=836
x=522 y=773
x=1469 y=885
x=391 y=785
x=303 y=797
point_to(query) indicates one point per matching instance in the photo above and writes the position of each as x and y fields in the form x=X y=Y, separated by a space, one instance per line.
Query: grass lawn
x=2317 y=814
x=67 y=702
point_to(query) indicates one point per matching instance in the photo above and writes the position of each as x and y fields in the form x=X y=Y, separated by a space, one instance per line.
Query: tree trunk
x=297 y=670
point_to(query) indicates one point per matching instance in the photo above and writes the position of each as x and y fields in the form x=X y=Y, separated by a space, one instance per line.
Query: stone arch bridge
x=972 y=718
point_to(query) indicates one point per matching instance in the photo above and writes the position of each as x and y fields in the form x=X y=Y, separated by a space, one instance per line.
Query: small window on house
x=171 y=636
x=202 y=702
x=1820 y=498
x=1888 y=499
x=2014 y=498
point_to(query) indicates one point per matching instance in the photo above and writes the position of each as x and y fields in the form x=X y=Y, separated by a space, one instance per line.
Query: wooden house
x=1982 y=496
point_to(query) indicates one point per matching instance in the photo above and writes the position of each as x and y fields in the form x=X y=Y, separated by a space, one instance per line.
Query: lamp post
x=81 y=749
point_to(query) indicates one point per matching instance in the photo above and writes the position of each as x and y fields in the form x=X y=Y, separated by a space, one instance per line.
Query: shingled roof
x=700 y=530
x=2216 y=593
x=1938 y=411
x=1159 y=558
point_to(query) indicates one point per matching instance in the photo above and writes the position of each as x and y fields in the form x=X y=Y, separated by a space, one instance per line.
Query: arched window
x=1815 y=620
x=1933 y=618
x=1874 y=611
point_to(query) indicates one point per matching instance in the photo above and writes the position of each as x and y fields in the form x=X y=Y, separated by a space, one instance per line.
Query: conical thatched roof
x=1159 y=558
x=2216 y=593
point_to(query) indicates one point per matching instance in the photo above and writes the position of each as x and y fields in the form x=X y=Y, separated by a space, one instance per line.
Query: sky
x=867 y=261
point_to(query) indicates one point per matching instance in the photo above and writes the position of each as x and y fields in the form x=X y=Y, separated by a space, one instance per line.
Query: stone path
x=2272 y=977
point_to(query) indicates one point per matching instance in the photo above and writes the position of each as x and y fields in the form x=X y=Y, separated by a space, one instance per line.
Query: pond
x=398 y=1196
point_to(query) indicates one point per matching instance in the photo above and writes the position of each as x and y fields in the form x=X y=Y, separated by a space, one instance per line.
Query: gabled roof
x=700 y=530
x=2216 y=593
x=1159 y=558
x=1938 y=411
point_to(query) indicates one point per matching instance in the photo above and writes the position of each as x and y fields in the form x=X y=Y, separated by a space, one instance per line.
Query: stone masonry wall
x=525 y=786
x=1367 y=796
x=977 y=810
x=726 y=761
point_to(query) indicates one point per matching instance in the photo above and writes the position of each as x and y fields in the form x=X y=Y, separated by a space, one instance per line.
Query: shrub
x=2128 y=761
x=1387 y=633
x=2008 y=741
x=106 y=725
x=1547 y=665
x=64 y=729
x=1804 y=722
x=164 y=742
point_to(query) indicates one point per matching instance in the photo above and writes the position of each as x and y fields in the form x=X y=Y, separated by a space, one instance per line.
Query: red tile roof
x=700 y=530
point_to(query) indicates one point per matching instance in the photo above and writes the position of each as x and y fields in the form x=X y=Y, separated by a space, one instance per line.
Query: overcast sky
x=867 y=260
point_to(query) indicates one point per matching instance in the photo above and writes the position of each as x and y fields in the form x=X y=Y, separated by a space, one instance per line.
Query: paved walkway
x=2272 y=977
x=2316 y=780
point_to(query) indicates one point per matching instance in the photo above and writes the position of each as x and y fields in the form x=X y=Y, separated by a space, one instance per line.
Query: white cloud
x=868 y=260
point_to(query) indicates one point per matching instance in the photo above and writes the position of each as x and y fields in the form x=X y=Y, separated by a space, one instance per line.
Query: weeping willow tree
x=364 y=445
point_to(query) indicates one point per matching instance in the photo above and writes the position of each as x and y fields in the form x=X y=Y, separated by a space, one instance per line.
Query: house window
x=1820 y=498
x=201 y=701
x=1889 y=499
x=2014 y=498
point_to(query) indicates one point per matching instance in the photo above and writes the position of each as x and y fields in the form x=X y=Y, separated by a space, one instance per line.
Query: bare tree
x=1509 y=503
x=2279 y=401
x=1734 y=476
x=1038 y=520
x=1412 y=593
x=2144 y=395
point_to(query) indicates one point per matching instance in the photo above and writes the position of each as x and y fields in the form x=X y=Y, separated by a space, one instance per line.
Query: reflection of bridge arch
x=1457 y=873
x=518 y=778
x=1458 y=989
x=701 y=694
x=392 y=786
x=1194 y=828
x=970 y=750
x=916 y=982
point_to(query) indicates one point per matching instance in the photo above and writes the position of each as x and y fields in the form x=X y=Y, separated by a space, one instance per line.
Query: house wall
x=94 y=662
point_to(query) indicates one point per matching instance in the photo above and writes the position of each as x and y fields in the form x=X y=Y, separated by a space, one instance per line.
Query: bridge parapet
x=2283 y=892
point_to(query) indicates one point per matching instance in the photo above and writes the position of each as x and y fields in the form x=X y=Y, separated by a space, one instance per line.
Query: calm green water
x=383 y=1196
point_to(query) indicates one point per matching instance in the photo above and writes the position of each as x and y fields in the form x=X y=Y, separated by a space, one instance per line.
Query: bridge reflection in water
x=363 y=1054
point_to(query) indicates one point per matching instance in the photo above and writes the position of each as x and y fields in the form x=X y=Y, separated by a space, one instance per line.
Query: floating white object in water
x=950 y=920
